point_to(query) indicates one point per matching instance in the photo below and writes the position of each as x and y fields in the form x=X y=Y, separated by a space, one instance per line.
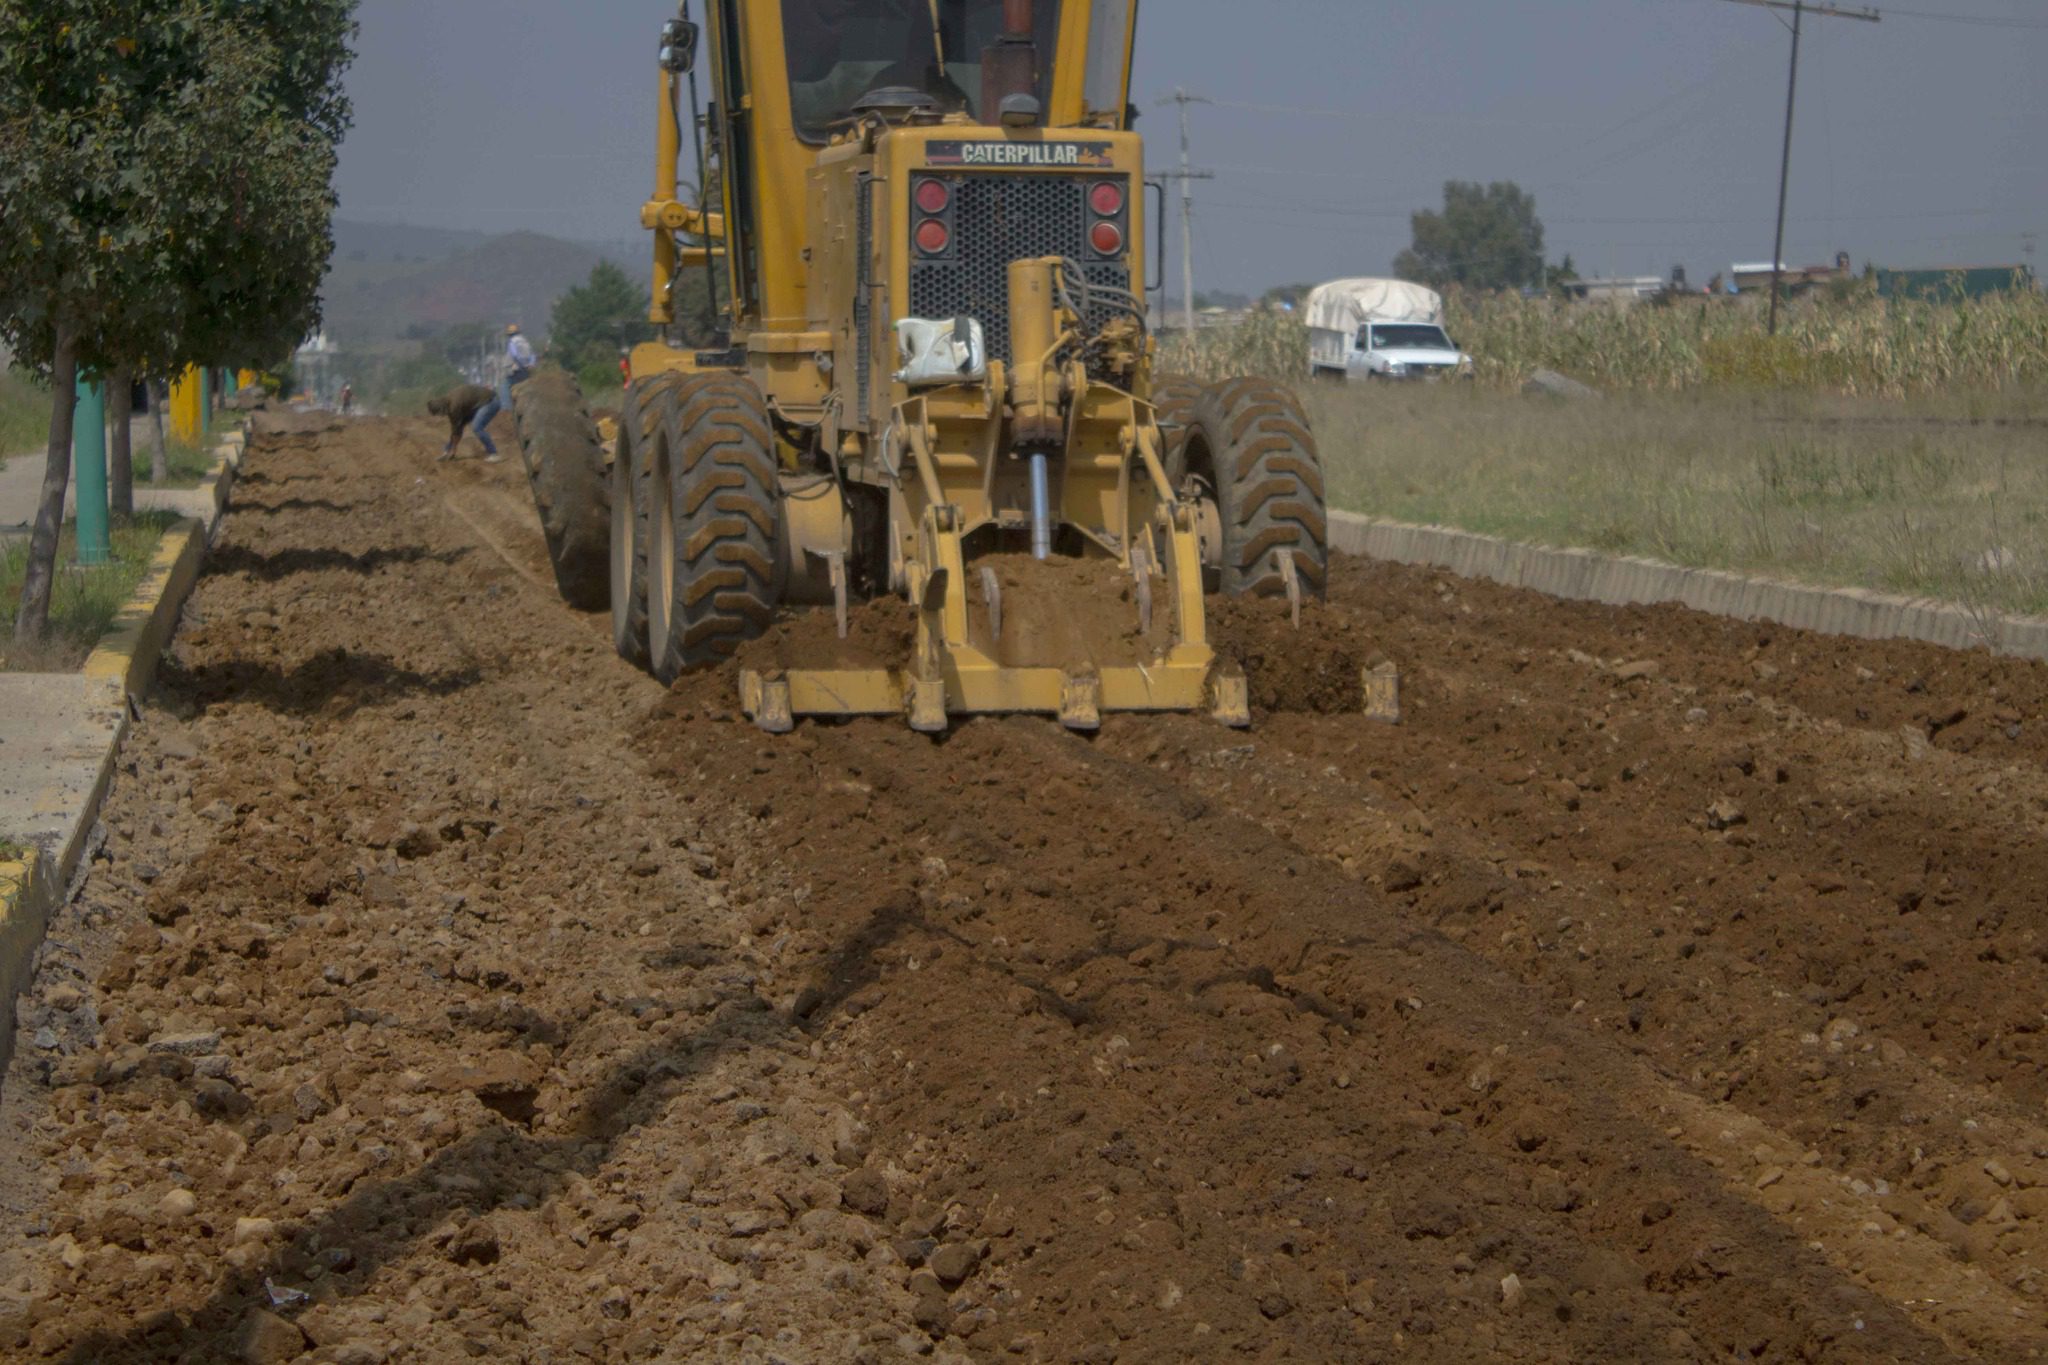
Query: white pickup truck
x=1380 y=329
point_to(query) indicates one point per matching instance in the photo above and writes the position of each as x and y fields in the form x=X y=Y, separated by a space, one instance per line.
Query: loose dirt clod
x=504 y=1006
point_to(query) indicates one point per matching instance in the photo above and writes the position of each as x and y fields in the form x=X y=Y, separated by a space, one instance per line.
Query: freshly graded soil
x=1664 y=988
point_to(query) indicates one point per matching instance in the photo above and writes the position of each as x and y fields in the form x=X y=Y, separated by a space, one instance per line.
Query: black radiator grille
x=997 y=219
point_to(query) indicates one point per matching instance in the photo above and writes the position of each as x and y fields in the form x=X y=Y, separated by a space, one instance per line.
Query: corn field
x=1858 y=345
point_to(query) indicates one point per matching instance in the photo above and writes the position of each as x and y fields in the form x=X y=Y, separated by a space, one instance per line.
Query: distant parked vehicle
x=1380 y=329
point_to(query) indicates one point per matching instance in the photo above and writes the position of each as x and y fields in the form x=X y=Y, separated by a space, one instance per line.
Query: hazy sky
x=1647 y=129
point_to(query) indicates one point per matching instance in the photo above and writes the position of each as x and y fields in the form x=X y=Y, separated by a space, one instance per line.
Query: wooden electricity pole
x=1799 y=9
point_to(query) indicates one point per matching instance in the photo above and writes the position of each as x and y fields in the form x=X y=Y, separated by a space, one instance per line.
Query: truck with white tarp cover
x=1379 y=329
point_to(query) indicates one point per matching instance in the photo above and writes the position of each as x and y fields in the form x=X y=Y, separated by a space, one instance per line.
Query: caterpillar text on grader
x=930 y=260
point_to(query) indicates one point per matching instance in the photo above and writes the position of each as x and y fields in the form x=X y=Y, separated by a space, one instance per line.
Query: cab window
x=839 y=50
x=1105 y=89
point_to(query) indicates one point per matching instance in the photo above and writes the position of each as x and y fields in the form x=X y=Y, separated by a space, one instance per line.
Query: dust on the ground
x=1663 y=989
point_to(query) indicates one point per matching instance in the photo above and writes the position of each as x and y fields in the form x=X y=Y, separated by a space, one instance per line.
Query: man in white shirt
x=519 y=363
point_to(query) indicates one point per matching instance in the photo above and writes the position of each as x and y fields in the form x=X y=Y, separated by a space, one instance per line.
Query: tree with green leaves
x=1485 y=237
x=592 y=320
x=167 y=169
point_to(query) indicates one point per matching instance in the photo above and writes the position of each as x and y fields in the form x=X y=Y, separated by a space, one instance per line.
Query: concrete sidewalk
x=21 y=491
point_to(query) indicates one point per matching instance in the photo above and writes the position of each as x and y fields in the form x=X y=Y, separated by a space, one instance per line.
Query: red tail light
x=933 y=196
x=932 y=236
x=1106 y=238
x=1107 y=199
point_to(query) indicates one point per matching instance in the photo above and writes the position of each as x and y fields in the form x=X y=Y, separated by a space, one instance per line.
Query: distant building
x=315 y=364
x=1952 y=282
x=1626 y=289
x=1755 y=277
x=1621 y=289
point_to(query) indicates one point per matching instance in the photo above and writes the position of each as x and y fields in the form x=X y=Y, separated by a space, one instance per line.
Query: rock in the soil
x=251 y=1230
x=1511 y=1293
x=268 y=1339
x=1725 y=814
x=955 y=1261
x=933 y=1313
x=866 y=1192
x=187 y=1044
x=179 y=1204
x=1554 y=385
x=474 y=1244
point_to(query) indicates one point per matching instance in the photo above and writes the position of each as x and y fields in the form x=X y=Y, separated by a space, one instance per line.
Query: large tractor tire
x=1249 y=451
x=1173 y=398
x=565 y=467
x=646 y=409
x=714 y=514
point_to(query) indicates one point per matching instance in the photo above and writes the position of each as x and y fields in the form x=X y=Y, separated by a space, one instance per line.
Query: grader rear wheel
x=646 y=407
x=1173 y=399
x=564 y=461
x=1249 y=453
x=714 y=573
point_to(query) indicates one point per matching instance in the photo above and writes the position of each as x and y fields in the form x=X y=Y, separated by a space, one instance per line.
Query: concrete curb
x=1621 y=580
x=26 y=899
x=126 y=655
x=118 y=669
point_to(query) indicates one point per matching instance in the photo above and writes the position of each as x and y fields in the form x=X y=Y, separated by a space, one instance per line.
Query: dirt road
x=1663 y=989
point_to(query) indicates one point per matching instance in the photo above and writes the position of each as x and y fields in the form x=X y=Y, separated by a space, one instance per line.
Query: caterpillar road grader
x=928 y=252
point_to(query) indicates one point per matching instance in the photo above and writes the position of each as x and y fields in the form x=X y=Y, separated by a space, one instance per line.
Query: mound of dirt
x=1314 y=667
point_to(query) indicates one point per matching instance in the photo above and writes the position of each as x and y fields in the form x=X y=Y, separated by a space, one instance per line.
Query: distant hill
x=389 y=280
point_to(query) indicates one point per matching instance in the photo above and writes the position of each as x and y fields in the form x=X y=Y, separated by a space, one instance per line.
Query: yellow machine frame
x=939 y=456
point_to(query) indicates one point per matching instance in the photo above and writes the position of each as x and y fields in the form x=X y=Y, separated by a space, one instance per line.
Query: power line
x=1828 y=10
x=1935 y=16
x=1980 y=20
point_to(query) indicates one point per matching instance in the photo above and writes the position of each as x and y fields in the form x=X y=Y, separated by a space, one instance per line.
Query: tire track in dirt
x=1255 y=1099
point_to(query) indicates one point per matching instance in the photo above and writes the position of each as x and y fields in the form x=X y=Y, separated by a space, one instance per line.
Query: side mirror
x=678 y=46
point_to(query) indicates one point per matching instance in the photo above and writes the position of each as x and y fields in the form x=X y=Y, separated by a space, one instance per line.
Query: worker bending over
x=459 y=405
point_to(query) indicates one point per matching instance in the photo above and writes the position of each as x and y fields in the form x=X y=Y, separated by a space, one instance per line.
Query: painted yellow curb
x=26 y=898
x=126 y=655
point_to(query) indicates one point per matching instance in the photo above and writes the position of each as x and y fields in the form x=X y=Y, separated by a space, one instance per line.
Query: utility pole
x=1187 y=178
x=1799 y=10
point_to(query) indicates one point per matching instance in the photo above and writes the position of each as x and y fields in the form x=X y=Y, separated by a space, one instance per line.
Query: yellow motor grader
x=930 y=267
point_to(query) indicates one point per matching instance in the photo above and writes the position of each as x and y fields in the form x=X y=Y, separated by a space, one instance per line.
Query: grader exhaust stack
x=934 y=373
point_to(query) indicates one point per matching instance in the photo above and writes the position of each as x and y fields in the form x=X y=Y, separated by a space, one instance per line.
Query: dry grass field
x=1889 y=446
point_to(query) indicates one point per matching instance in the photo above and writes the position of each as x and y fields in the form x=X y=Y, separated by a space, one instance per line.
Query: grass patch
x=83 y=602
x=24 y=415
x=184 y=465
x=11 y=852
x=1940 y=497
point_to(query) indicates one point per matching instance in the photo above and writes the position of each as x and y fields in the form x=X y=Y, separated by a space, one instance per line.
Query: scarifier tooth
x=1081 y=700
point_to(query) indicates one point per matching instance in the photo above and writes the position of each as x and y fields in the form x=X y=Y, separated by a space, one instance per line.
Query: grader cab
x=933 y=359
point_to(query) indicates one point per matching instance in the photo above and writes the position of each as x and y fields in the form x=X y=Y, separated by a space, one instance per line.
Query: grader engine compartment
x=932 y=383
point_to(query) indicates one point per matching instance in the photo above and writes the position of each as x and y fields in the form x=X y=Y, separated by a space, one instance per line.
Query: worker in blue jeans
x=519 y=363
